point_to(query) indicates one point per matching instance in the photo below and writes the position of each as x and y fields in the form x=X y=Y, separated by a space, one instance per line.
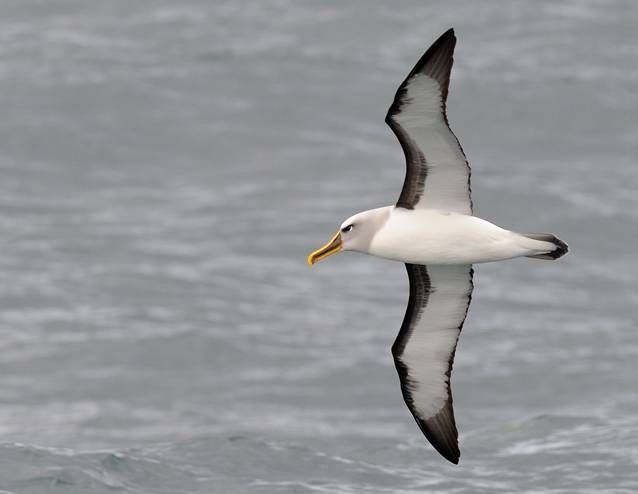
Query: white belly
x=436 y=237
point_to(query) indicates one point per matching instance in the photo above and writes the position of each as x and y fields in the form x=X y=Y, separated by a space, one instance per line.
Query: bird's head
x=355 y=233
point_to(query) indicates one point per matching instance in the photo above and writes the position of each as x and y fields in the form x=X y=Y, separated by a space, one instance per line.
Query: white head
x=356 y=233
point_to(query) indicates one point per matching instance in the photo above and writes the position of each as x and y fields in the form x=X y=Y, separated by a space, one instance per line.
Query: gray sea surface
x=166 y=166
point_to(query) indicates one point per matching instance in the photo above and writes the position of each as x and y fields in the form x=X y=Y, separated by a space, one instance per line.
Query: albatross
x=432 y=230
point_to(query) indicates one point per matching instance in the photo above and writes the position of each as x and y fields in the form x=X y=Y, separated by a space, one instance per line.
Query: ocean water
x=166 y=166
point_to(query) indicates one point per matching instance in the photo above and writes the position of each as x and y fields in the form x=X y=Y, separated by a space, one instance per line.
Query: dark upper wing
x=437 y=171
x=424 y=349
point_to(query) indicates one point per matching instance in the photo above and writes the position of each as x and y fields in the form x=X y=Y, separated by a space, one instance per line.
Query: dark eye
x=346 y=229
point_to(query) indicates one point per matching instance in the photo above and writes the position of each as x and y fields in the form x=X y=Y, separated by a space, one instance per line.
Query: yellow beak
x=330 y=248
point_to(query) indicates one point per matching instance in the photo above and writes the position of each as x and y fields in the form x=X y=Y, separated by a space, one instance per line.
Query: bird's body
x=432 y=230
x=435 y=237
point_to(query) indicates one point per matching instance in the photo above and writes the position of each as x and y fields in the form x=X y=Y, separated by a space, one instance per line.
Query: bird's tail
x=556 y=248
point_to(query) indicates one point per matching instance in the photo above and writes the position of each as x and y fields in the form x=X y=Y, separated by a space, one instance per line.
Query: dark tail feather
x=561 y=247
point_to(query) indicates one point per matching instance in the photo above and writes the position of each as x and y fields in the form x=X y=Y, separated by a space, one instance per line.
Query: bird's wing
x=424 y=349
x=437 y=171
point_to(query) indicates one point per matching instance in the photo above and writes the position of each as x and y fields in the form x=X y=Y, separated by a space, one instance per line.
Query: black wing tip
x=448 y=450
x=442 y=436
x=446 y=41
x=442 y=47
x=451 y=455
x=447 y=37
x=437 y=60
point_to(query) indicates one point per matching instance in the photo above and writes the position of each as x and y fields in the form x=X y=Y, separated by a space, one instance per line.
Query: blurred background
x=165 y=167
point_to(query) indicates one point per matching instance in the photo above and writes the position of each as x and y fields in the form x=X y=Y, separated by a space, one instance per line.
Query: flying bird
x=432 y=230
